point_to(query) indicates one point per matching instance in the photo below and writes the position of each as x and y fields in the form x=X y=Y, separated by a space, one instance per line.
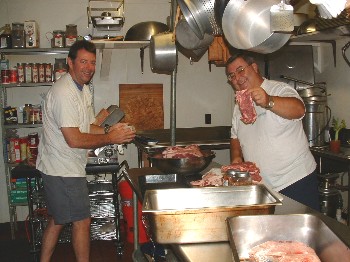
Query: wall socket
x=207 y=118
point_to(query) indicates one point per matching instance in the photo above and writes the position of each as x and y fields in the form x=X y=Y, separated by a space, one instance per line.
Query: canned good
x=5 y=76
x=41 y=70
x=32 y=152
x=13 y=75
x=28 y=73
x=20 y=72
x=33 y=139
x=35 y=72
x=48 y=72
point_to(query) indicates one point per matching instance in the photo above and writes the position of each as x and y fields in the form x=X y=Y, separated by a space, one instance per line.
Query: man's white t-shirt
x=278 y=146
x=65 y=106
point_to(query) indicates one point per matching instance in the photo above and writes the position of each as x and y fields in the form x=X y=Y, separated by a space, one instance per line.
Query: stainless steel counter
x=221 y=251
x=330 y=162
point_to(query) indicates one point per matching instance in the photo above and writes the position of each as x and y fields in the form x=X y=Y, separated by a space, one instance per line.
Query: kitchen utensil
x=199 y=14
x=281 y=17
x=246 y=232
x=344 y=48
x=219 y=8
x=163 y=53
x=190 y=165
x=115 y=115
x=144 y=30
x=198 y=215
x=251 y=32
x=188 y=39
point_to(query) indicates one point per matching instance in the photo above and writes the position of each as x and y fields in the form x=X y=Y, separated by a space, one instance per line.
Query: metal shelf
x=27 y=84
x=34 y=51
x=16 y=126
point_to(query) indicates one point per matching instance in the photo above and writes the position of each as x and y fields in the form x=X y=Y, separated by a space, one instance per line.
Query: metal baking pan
x=197 y=215
x=246 y=232
x=165 y=181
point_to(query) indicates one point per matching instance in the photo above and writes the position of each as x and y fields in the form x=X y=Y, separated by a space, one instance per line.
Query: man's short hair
x=81 y=44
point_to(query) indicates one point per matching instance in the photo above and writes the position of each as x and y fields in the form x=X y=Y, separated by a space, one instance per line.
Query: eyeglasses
x=239 y=71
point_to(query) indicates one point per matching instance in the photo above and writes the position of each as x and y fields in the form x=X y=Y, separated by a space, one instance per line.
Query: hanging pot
x=246 y=25
x=188 y=39
x=163 y=53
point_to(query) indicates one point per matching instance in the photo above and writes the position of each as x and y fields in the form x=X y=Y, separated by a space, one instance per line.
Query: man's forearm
x=235 y=151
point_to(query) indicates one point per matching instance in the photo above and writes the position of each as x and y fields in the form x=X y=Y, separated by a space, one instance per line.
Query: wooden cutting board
x=142 y=105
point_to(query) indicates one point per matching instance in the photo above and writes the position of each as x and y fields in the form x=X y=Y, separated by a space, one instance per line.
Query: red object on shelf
x=125 y=192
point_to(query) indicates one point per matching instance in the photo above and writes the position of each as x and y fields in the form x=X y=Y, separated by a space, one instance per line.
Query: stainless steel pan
x=182 y=165
x=163 y=53
x=246 y=25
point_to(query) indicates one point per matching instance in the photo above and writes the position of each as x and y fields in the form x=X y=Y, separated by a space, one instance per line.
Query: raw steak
x=182 y=152
x=283 y=251
x=212 y=178
x=246 y=106
x=250 y=167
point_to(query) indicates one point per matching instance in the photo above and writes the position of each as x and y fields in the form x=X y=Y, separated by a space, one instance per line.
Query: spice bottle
x=5 y=37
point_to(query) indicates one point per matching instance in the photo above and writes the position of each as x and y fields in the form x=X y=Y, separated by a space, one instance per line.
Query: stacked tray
x=198 y=215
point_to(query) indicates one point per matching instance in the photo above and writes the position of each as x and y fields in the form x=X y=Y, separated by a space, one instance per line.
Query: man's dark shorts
x=67 y=198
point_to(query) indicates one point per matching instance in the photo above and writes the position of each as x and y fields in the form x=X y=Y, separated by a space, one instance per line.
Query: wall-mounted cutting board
x=142 y=105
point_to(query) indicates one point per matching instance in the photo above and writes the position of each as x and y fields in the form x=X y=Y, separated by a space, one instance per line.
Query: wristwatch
x=106 y=128
x=271 y=103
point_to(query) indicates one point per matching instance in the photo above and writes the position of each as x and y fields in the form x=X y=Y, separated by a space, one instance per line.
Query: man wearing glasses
x=275 y=140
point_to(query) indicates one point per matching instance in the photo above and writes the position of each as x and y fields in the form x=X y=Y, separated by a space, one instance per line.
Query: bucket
x=125 y=192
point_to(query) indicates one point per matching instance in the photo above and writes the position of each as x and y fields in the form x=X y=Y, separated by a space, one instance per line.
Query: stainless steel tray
x=197 y=215
x=246 y=232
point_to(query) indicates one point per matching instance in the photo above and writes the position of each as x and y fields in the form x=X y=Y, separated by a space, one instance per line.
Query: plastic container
x=125 y=192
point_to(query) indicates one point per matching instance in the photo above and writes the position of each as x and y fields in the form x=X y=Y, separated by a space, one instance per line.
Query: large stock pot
x=246 y=25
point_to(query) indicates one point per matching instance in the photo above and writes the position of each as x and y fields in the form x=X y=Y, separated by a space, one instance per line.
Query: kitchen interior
x=186 y=99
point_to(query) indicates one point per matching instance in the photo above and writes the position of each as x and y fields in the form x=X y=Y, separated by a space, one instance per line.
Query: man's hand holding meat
x=272 y=136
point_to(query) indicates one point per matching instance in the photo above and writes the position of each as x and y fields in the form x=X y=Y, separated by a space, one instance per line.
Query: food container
x=246 y=232
x=197 y=215
x=236 y=178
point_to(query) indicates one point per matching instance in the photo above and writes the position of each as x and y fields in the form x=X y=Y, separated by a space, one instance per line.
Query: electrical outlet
x=207 y=119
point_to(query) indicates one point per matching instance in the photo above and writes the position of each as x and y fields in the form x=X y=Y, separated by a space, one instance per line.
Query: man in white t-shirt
x=275 y=141
x=68 y=133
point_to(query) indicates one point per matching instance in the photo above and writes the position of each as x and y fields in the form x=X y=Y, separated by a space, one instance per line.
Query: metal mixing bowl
x=144 y=30
x=182 y=166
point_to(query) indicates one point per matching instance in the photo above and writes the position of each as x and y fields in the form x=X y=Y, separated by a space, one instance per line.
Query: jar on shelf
x=18 y=35
x=71 y=34
x=5 y=37
x=26 y=113
x=58 y=39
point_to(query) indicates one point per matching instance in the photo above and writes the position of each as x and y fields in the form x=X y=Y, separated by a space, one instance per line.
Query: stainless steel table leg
x=348 y=218
x=136 y=224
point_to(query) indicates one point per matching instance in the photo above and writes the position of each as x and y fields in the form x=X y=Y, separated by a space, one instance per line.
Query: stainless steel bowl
x=182 y=165
x=144 y=30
